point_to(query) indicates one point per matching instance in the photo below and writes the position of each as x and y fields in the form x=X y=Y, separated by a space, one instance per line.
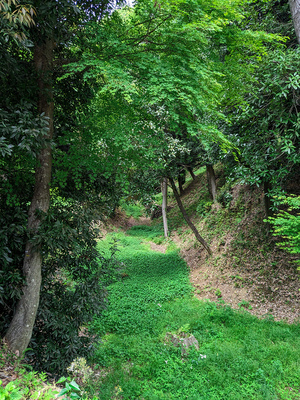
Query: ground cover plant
x=135 y=210
x=239 y=356
x=17 y=383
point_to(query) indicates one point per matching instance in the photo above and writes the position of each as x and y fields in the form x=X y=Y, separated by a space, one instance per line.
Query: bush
x=75 y=275
x=287 y=224
x=204 y=207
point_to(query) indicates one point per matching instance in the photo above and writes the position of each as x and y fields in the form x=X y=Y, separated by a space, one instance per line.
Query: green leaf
x=74 y=385
x=61 y=380
x=63 y=391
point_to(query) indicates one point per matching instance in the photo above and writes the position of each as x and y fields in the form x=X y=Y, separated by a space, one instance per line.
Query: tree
x=295 y=11
x=263 y=122
x=164 y=190
x=189 y=222
x=169 y=81
x=266 y=128
x=45 y=36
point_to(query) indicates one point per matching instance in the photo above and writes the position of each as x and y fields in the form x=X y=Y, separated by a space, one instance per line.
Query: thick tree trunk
x=20 y=329
x=211 y=181
x=186 y=217
x=295 y=11
x=164 y=190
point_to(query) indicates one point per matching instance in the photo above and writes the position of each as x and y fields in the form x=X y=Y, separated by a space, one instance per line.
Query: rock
x=189 y=342
x=184 y=341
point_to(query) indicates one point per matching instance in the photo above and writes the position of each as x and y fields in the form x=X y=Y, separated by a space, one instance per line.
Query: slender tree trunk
x=186 y=217
x=164 y=190
x=295 y=11
x=181 y=181
x=20 y=329
x=190 y=169
x=211 y=181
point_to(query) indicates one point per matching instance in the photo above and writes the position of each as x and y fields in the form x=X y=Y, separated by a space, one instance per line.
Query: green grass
x=135 y=210
x=151 y=233
x=245 y=358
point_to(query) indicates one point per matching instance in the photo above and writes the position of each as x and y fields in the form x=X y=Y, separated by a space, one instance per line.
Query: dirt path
x=121 y=221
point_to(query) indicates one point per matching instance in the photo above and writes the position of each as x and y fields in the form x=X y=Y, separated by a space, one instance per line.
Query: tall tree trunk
x=20 y=329
x=211 y=181
x=164 y=190
x=295 y=11
x=186 y=217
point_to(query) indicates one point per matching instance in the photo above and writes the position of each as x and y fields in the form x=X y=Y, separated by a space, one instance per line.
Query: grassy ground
x=240 y=356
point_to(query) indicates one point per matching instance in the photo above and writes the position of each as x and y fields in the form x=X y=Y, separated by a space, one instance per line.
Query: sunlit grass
x=245 y=358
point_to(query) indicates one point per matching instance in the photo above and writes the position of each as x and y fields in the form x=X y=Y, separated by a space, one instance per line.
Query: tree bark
x=186 y=217
x=190 y=169
x=211 y=181
x=181 y=181
x=164 y=190
x=20 y=329
x=295 y=11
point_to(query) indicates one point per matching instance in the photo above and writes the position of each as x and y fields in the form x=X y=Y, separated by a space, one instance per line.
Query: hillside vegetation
x=247 y=268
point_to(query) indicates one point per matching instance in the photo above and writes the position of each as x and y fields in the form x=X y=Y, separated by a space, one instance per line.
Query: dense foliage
x=266 y=128
x=72 y=268
x=286 y=224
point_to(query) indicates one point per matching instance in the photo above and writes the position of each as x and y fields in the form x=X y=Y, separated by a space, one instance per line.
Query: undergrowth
x=135 y=210
x=239 y=356
x=26 y=384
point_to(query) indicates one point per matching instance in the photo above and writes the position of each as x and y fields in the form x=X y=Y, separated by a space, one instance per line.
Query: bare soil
x=263 y=292
x=249 y=273
x=122 y=221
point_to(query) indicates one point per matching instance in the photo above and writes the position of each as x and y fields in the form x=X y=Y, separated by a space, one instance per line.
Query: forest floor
x=152 y=313
x=246 y=269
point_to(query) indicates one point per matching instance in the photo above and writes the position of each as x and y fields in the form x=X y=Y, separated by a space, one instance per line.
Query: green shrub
x=287 y=224
x=203 y=208
x=10 y=392
x=73 y=292
x=224 y=198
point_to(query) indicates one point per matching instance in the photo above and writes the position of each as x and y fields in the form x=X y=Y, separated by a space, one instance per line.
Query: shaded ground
x=262 y=291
